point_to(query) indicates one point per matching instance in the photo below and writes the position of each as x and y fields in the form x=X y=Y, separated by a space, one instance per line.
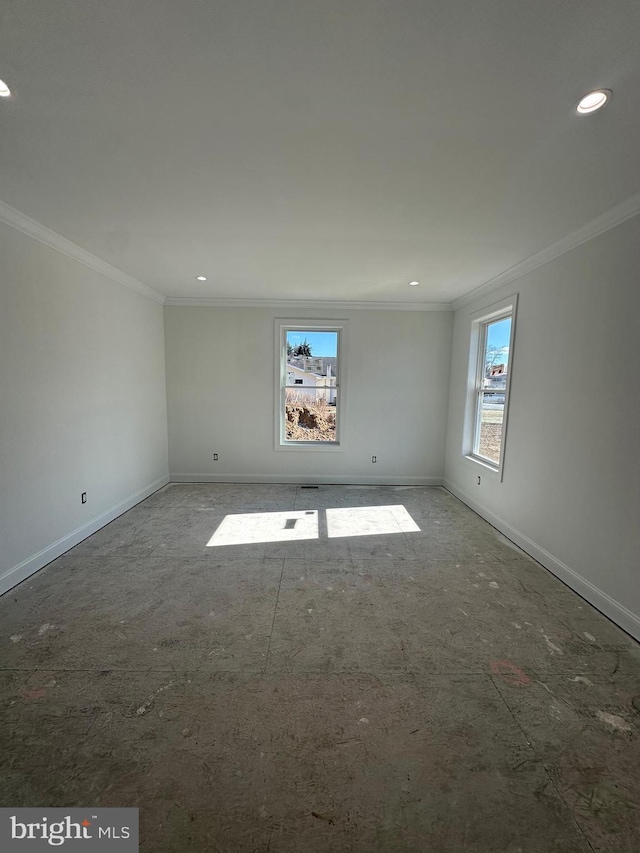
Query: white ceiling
x=317 y=149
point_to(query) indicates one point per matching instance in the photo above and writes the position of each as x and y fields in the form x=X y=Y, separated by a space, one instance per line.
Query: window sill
x=310 y=445
x=484 y=463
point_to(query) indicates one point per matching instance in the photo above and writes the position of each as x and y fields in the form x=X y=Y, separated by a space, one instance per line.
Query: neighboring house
x=497 y=377
x=315 y=376
x=496 y=380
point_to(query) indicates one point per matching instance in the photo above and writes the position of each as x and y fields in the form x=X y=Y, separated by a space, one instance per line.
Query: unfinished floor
x=429 y=689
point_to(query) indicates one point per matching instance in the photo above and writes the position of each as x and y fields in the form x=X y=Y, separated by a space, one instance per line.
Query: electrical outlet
x=215 y=457
x=374 y=458
x=83 y=497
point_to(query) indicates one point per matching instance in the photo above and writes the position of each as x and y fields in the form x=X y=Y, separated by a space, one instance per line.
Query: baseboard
x=36 y=562
x=322 y=480
x=615 y=611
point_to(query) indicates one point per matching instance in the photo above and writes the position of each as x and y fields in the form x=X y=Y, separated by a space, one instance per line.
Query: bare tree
x=492 y=357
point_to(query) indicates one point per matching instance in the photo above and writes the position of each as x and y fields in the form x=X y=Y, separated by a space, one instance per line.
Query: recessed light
x=201 y=278
x=593 y=101
x=414 y=283
x=5 y=91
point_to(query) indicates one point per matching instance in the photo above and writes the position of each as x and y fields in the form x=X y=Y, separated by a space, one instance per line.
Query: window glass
x=310 y=395
x=492 y=389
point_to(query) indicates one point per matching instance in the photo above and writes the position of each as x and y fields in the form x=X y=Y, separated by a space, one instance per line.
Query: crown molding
x=10 y=216
x=302 y=304
x=605 y=222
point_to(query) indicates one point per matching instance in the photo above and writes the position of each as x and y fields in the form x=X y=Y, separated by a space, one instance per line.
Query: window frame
x=480 y=321
x=282 y=327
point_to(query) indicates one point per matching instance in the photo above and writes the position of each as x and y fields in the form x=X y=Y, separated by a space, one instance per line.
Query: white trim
x=314 y=479
x=603 y=602
x=10 y=216
x=37 y=561
x=305 y=305
x=281 y=327
x=605 y=222
x=610 y=219
x=315 y=446
x=506 y=307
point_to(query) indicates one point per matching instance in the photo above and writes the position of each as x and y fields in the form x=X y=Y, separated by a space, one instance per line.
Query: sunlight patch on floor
x=369 y=521
x=293 y=525
x=251 y=527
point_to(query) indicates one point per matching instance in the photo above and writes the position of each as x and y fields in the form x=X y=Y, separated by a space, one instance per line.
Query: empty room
x=319 y=425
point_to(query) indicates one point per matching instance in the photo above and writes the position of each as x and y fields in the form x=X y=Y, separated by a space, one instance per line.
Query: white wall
x=221 y=397
x=571 y=489
x=82 y=402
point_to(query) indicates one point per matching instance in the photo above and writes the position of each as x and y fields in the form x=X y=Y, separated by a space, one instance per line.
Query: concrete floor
x=429 y=690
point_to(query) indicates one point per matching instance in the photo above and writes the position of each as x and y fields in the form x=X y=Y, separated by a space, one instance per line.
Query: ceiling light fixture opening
x=593 y=101
x=201 y=278
x=5 y=91
x=414 y=283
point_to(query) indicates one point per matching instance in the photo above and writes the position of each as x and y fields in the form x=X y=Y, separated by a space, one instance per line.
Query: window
x=309 y=367
x=492 y=335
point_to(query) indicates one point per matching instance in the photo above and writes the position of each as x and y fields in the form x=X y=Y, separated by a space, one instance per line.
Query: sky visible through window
x=498 y=336
x=321 y=343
